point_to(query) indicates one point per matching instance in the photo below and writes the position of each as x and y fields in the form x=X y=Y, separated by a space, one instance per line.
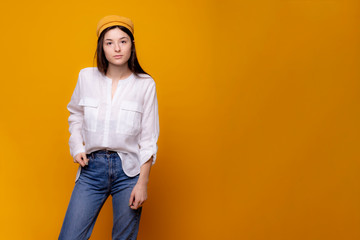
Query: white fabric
x=127 y=124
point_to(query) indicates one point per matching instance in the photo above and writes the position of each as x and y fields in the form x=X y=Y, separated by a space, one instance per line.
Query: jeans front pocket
x=91 y=112
x=129 y=118
x=78 y=173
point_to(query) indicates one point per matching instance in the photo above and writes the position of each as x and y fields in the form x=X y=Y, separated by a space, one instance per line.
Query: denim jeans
x=102 y=176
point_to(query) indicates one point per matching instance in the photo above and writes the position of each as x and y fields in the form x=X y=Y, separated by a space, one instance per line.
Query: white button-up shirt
x=127 y=124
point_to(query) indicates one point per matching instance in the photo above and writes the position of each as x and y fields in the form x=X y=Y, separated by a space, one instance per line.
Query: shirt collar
x=122 y=81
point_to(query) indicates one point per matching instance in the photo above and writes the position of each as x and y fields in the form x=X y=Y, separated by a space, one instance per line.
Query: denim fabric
x=102 y=176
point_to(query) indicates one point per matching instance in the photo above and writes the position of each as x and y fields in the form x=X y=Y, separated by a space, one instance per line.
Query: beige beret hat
x=113 y=20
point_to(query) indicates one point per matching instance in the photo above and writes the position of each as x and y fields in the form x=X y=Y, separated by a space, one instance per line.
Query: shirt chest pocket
x=129 y=118
x=91 y=112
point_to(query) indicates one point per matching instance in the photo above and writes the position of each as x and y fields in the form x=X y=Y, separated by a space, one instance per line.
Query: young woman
x=114 y=127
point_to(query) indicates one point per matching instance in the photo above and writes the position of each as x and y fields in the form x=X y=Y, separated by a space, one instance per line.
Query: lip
x=118 y=56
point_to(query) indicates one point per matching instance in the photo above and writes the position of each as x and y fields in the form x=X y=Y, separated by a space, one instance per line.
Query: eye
x=123 y=41
x=108 y=43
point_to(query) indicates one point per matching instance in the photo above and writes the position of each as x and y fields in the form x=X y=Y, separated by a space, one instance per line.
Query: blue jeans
x=102 y=176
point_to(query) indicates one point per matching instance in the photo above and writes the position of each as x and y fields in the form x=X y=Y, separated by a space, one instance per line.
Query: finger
x=131 y=200
x=137 y=203
x=85 y=159
x=80 y=161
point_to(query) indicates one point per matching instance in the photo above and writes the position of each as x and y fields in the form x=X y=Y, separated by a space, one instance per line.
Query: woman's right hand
x=81 y=159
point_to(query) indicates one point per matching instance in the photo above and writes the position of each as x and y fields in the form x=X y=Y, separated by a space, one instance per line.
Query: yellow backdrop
x=259 y=116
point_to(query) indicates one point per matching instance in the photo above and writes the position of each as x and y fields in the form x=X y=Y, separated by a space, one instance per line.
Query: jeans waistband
x=102 y=151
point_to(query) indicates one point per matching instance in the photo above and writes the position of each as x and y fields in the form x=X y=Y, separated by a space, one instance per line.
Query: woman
x=114 y=128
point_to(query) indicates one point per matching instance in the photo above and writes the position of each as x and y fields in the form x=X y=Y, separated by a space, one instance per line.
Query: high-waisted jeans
x=102 y=176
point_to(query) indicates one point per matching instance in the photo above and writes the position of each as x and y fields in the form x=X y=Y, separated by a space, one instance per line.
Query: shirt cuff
x=78 y=151
x=145 y=156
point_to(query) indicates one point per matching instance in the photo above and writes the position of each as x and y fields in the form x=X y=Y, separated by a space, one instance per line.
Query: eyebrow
x=111 y=39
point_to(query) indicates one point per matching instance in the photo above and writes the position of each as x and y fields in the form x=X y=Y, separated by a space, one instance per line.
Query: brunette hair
x=102 y=62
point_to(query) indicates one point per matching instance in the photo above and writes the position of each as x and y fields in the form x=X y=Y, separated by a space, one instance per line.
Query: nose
x=117 y=47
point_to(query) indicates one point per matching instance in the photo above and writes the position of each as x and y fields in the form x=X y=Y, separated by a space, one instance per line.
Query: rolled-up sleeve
x=149 y=126
x=76 y=121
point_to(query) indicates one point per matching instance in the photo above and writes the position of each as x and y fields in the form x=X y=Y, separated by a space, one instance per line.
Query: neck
x=118 y=72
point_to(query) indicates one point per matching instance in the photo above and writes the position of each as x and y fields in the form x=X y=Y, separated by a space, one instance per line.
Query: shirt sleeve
x=76 y=121
x=149 y=126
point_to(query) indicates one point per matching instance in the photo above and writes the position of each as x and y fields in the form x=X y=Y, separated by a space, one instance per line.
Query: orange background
x=259 y=116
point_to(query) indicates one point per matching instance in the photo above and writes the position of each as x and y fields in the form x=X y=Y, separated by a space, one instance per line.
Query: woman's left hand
x=138 y=196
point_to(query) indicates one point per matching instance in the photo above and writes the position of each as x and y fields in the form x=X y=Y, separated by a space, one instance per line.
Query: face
x=117 y=47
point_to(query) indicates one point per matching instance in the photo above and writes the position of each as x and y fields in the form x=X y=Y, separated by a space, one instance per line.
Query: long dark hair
x=102 y=62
